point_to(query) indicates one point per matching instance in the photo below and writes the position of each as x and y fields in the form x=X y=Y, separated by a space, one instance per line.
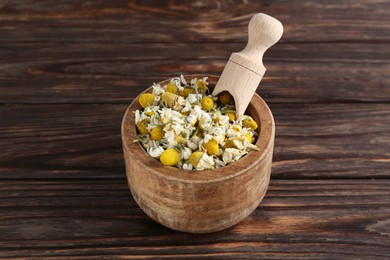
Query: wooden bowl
x=200 y=201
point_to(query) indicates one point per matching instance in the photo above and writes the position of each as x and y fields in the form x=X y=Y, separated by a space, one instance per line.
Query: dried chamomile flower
x=172 y=88
x=186 y=91
x=192 y=119
x=235 y=142
x=149 y=111
x=224 y=98
x=211 y=146
x=232 y=154
x=157 y=89
x=207 y=103
x=232 y=116
x=248 y=137
x=202 y=86
x=168 y=99
x=170 y=157
x=142 y=126
x=146 y=99
x=179 y=139
x=249 y=123
x=157 y=133
x=201 y=161
x=155 y=151
x=183 y=126
x=195 y=158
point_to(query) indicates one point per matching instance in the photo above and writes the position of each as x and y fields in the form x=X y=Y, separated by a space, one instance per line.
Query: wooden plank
x=206 y=21
x=101 y=73
x=90 y=218
x=339 y=140
x=83 y=141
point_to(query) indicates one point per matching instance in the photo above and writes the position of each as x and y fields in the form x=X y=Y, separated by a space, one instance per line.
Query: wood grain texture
x=116 y=73
x=68 y=70
x=194 y=21
x=83 y=141
x=97 y=218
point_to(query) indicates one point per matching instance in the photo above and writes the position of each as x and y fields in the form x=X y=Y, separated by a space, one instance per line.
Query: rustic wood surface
x=69 y=69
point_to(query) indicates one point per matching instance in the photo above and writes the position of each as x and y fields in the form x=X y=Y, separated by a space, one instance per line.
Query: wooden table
x=69 y=69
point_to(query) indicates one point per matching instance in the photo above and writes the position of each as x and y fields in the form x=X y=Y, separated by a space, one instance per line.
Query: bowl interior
x=257 y=109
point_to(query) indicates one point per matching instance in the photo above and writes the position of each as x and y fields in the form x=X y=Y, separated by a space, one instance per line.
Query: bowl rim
x=137 y=152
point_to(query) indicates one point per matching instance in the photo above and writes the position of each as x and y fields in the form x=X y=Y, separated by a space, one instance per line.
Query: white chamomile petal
x=193 y=81
x=155 y=152
x=231 y=155
x=205 y=162
x=191 y=119
x=239 y=143
x=187 y=107
x=218 y=133
x=187 y=166
x=186 y=152
x=137 y=116
x=219 y=162
x=177 y=128
x=196 y=139
x=205 y=122
x=169 y=136
x=197 y=110
x=183 y=80
x=192 y=98
x=193 y=146
x=176 y=81
x=157 y=90
x=207 y=138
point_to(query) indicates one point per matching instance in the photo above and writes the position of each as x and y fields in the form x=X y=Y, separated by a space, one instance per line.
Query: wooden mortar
x=200 y=201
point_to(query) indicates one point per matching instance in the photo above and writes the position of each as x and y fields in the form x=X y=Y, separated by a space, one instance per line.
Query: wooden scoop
x=244 y=70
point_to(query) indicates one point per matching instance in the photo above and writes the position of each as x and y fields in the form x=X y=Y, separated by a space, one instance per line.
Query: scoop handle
x=263 y=32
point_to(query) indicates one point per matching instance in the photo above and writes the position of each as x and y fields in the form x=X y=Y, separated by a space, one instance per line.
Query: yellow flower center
x=207 y=103
x=170 y=157
x=142 y=126
x=195 y=158
x=168 y=99
x=157 y=133
x=201 y=86
x=232 y=116
x=186 y=91
x=179 y=139
x=146 y=99
x=230 y=143
x=249 y=137
x=249 y=123
x=172 y=88
x=211 y=147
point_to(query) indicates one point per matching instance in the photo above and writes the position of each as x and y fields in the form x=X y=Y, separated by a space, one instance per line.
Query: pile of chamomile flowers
x=182 y=125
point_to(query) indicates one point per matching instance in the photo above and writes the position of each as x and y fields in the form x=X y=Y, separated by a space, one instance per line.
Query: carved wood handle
x=263 y=32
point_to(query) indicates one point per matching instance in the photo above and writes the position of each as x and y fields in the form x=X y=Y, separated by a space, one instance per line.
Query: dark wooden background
x=69 y=69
